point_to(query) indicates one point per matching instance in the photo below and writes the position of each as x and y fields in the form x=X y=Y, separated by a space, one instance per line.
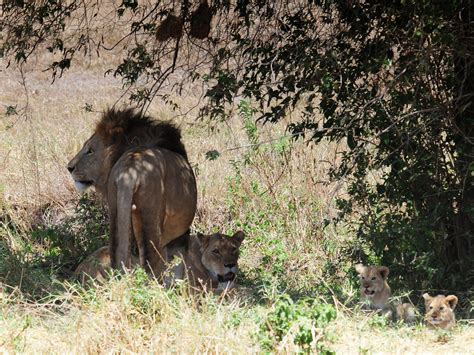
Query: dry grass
x=279 y=197
x=120 y=317
x=357 y=336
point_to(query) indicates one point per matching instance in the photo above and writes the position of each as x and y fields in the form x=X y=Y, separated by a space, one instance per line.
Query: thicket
x=390 y=79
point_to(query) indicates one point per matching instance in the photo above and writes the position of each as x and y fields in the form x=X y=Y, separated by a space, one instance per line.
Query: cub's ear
x=383 y=271
x=452 y=301
x=238 y=237
x=360 y=268
x=203 y=240
x=428 y=300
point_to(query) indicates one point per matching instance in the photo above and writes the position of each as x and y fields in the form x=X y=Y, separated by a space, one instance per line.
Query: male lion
x=375 y=292
x=141 y=168
x=440 y=311
x=207 y=260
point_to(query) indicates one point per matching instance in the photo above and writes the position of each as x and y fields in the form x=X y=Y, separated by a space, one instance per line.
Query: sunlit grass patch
x=130 y=312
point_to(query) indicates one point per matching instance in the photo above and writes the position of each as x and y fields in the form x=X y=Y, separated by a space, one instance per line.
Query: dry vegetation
x=276 y=192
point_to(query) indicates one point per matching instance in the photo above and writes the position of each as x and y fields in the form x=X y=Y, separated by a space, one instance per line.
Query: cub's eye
x=90 y=151
x=363 y=278
x=431 y=307
x=373 y=278
x=441 y=308
x=216 y=251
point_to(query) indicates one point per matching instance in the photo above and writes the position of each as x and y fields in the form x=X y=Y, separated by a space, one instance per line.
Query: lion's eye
x=431 y=307
x=441 y=308
x=90 y=151
x=216 y=251
x=373 y=278
x=363 y=278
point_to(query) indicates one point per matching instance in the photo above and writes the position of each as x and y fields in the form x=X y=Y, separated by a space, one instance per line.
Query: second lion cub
x=375 y=291
x=440 y=311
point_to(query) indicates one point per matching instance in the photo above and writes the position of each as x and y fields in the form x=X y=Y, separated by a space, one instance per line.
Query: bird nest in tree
x=170 y=27
x=201 y=21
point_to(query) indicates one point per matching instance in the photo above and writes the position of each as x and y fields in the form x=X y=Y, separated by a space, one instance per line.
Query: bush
x=302 y=323
x=32 y=258
x=66 y=244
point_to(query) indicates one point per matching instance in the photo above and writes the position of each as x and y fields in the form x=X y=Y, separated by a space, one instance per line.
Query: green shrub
x=66 y=244
x=33 y=259
x=302 y=322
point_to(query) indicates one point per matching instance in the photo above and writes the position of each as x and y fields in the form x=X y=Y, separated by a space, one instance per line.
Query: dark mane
x=121 y=130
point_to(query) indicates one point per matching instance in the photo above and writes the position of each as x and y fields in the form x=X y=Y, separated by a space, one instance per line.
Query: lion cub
x=440 y=311
x=376 y=293
x=209 y=261
x=97 y=266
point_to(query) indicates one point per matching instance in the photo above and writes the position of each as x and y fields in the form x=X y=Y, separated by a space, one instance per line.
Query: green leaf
x=212 y=155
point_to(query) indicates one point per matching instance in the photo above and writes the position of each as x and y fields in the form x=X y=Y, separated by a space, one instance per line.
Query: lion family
x=141 y=169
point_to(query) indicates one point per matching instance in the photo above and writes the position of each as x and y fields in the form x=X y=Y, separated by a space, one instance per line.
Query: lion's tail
x=121 y=234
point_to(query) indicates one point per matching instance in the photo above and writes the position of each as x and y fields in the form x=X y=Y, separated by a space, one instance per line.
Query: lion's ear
x=428 y=300
x=360 y=268
x=203 y=240
x=114 y=130
x=116 y=134
x=452 y=301
x=238 y=237
x=383 y=271
x=109 y=132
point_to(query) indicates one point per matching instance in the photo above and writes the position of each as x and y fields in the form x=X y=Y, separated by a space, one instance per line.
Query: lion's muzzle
x=82 y=186
x=230 y=276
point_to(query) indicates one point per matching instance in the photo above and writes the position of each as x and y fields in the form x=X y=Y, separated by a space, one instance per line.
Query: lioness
x=440 y=311
x=210 y=261
x=207 y=260
x=140 y=167
x=376 y=293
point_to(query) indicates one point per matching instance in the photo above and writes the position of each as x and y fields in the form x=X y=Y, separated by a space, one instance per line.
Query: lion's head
x=372 y=279
x=220 y=254
x=115 y=133
x=90 y=166
x=440 y=310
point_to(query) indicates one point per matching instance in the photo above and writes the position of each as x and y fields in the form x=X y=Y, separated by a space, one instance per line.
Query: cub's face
x=87 y=166
x=372 y=279
x=220 y=254
x=439 y=309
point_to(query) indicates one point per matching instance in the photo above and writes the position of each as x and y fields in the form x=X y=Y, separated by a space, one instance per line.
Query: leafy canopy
x=391 y=79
